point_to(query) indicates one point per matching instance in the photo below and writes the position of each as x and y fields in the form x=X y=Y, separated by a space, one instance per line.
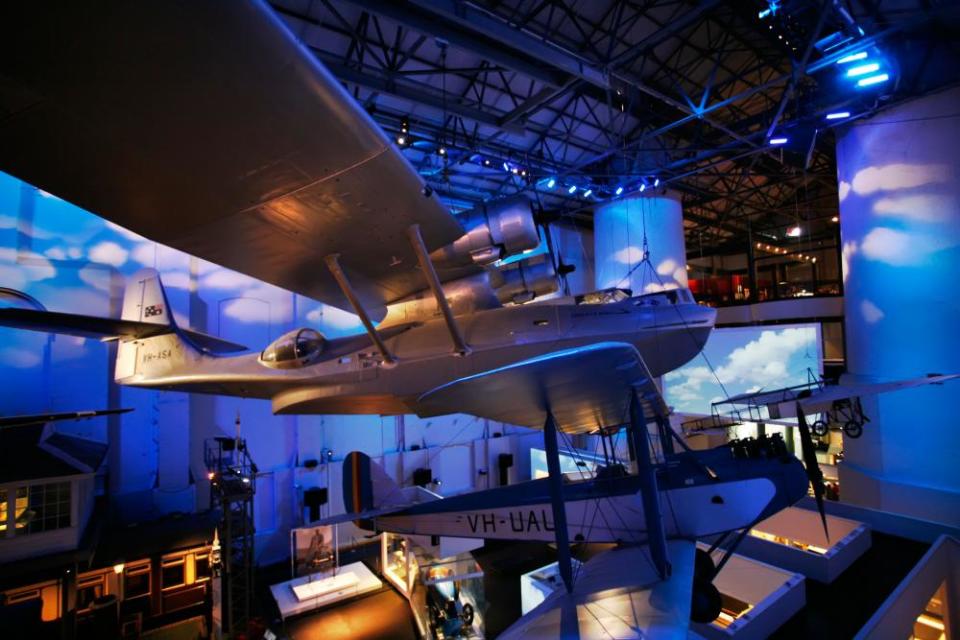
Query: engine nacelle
x=495 y=231
x=465 y=295
x=525 y=282
x=293 y=350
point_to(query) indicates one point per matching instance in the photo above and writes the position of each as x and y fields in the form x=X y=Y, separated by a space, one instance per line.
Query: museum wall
x=72 y=261
x=900 y=226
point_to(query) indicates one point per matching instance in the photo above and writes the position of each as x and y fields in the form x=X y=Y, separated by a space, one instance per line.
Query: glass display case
x=398 y=562
x=448 y=598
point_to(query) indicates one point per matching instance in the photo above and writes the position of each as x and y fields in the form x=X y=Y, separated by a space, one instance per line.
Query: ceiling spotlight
x=643 y=187
x=442 y=151
x=401 y=140
x=514 y=170
x=486 y=162
x=835 y=219
x=866 y=82
x=853 y=57
x=586 y=194
x=656 y=182
x=572 y=189
x=551 y=183
x=794 y=231
x=619 y=190
x=862 y=70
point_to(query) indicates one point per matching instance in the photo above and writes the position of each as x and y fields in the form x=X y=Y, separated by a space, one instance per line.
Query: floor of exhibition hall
x=836 y=610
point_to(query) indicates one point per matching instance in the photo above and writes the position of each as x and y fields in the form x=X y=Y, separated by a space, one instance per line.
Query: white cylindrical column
x=619 y=227
x=900 y=227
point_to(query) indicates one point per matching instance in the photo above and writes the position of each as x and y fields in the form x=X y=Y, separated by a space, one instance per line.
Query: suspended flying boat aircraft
x=207 y=127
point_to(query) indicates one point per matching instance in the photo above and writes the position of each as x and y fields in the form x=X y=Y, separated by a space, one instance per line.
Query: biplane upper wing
x=781 y=403
x=618 y=594
x=586 y=388
x=205 y=126
x=823 y=400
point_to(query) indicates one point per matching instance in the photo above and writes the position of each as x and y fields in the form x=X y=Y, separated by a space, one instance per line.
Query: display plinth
x=793 y=539
x=307 y=593
x=536 y=585
x=757 y=600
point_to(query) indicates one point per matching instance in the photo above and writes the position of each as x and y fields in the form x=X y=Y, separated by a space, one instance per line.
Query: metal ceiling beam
x=490 y=36
x=431 y=20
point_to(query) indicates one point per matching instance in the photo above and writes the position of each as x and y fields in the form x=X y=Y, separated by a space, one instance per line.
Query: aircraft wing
x=781 y=403
x=823 y=400
x=43 y=418
x=205 y=126
x=617 y=594
x=586 y=388
x=74 y=324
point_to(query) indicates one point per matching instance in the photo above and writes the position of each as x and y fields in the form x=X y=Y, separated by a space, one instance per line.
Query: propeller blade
x=556 y=259
x=813 y=467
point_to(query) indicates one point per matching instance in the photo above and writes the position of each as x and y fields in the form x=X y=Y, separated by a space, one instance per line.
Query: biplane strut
x=649 y=490
x=561 y=533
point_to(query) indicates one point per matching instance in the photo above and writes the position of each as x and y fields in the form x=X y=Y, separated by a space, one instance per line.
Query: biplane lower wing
x=618 y=594
x=585 y=388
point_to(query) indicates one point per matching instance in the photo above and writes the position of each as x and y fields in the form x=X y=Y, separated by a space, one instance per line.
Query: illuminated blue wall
x=618 y=239
x=900 y=224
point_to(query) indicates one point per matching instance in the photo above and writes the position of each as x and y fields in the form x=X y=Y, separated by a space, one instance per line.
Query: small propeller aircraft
x=839 y=404
x=675 y=497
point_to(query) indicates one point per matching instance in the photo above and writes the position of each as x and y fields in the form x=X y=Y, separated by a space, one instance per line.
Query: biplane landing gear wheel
x=820 y=428
x=705 y=603
x=853 y=429
x=703 y=566
x=467 y=615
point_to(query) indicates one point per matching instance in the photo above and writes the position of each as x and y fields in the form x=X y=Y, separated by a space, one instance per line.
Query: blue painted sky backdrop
x=745 y=360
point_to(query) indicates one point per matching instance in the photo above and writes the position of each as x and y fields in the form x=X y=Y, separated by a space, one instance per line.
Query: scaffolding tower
x=232 y=475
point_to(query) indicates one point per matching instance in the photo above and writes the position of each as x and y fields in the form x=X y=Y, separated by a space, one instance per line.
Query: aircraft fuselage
x=350 y=376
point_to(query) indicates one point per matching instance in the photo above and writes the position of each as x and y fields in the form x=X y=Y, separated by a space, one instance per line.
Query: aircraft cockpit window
x=668 y=297
x=294 y=349
x=604 y=296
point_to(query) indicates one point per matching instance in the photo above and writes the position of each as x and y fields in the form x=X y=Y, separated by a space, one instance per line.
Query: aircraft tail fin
x=366 y=486
x=145 y=300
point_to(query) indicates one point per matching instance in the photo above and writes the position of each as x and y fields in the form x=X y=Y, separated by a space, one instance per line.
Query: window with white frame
x=172 y=572
x=35 y=508
x=136 y=580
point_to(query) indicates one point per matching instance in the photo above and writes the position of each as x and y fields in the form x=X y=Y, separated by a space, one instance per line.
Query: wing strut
x=556 y=501
x=649 y=491
x=459 y=344
x=333 y=264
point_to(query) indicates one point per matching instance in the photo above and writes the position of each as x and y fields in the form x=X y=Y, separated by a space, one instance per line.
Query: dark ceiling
x=493 y=98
